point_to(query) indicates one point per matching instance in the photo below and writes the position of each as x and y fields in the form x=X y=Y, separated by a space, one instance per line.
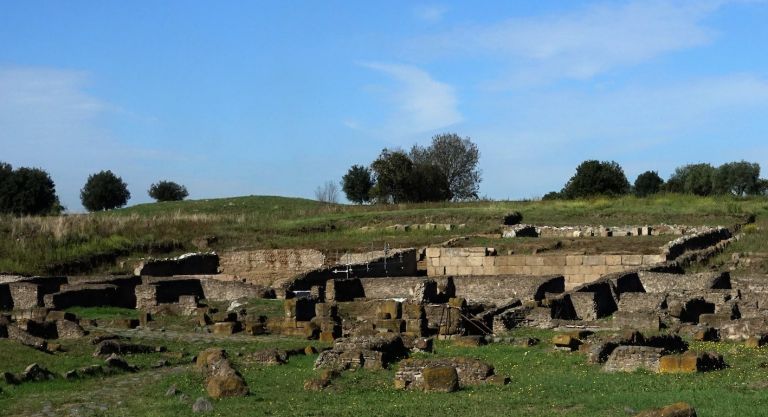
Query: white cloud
x=583 y=43
x=430 y=13
x=421 y=102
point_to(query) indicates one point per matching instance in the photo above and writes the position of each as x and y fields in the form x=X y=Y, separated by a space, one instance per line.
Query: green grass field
x=544 y=383
x=93 y=243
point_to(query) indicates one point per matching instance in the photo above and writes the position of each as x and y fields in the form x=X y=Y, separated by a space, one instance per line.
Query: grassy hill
x=80 y=243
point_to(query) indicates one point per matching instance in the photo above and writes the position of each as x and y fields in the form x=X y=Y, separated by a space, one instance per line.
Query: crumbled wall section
x=576 y=269
x=693 y=242
x=187 y=264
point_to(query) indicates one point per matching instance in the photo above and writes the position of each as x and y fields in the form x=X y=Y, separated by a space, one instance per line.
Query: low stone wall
x=655 y=282
x=400 y=263
x=400 y=287
x=576 y=269
x=221 y=290
x=496 y=289
x=91 y=295
x=696 y=241
x=187 y=264
x=263 y=267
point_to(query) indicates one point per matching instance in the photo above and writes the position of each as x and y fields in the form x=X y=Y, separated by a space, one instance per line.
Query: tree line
x=31 y=191
x=444 y=170
x=607 y=178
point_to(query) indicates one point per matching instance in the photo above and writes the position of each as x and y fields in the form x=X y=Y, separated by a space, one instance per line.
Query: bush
x=513 y=218
x=104 y=191
x=168 y=191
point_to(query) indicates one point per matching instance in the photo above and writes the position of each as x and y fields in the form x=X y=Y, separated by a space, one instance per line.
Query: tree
x=27 y=191
x=357 y=184
x=428 y=183
x=167 y=191
x=648 y=183
x=104 y=191
x=597 y=178
x=327 y=193
x=692 y=179
x=398 y=180
x=392 y=170
x=737 y=178
x=457 y=159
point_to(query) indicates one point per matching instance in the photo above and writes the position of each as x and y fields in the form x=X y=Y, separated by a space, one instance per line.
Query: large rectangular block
x=557 y=260
x=475 y=261
x=632 y=260
x=653 y=259
x=613 y=259
x=593 y=260
x=465 y=270
x=433 y=252
x=534 y=261
x=574 y=260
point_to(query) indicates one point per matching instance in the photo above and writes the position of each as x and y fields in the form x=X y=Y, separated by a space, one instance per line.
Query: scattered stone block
x=756 y=341
x=269 y=356
x=224 y=328
x=23 y=337
x=469 y=341
x=632 y=358
x=470 y=371
x=202 y=405
x=440 y=379
x=226 y=385
x=565 y=342
x=66 y=329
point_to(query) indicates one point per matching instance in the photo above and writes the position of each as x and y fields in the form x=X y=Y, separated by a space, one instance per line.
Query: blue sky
x=236 y=98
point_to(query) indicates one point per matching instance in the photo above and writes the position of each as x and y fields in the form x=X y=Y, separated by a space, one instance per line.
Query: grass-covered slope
x=78 y=243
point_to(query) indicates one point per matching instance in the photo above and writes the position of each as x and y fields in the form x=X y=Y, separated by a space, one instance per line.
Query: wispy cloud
x=583 y=43
x=430 y=13
x=421 y=103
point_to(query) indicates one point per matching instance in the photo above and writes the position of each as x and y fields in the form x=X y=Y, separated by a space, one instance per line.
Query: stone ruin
x=374 y=320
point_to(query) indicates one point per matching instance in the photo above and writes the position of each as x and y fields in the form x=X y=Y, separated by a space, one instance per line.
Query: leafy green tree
x=648 y=183
x=737 y=178
x=457 y=159
x=7 y=187
x=357 y=184
x=27 y=191
x=392 y=171
x=428 y=183
x=597 y=178
x=168 y=191
x=398 y=180
x=104 y=191
x=35 y=192
x=695 y=179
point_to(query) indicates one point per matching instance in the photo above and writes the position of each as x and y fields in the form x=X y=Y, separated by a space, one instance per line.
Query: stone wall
x=413 y=288
x=187 y=264
x=91 y=295
x=576 y=269
x=696 y=241
x=263 y=267
x=496 y=289
x=655 y=282
x=399 y=263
